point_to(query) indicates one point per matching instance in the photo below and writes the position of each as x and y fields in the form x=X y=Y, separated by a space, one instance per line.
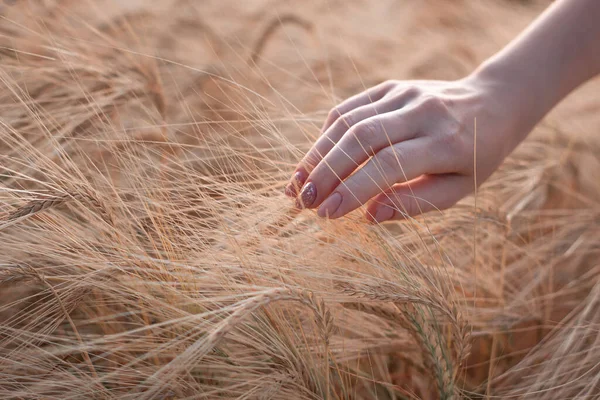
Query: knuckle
x=397 y=98
x=400 y=97
x=343 y=123
x=382 y=89
x=412 y=91
x=432 y=104
x=364 y=131
x=452 y=149
x=453 y=137
x=387 y=85
x=348 y=120
x=333 y=115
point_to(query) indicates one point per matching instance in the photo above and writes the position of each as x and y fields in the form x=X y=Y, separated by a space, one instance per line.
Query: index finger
x=326 y=142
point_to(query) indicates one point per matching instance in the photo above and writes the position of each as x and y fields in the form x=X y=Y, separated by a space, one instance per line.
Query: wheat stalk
x=197 y=221
x=412 y=319
x=380 y=293
x=200 y=348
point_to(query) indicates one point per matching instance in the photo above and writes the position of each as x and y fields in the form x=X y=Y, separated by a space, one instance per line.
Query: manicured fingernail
x=307 y=196
x=296 y=183
x=330 y=205
x=384 y=213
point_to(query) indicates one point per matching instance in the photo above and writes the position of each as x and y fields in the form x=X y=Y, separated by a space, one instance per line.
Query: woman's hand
x=406 y=147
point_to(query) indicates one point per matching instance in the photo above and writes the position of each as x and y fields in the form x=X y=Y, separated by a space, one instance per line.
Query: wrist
x=511 y=87
x=513 y=95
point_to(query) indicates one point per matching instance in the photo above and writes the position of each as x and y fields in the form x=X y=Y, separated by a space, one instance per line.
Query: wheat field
x=147 y=250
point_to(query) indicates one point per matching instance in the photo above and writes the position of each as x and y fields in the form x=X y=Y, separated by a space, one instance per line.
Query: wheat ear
x=38 y=205
x=203 y=346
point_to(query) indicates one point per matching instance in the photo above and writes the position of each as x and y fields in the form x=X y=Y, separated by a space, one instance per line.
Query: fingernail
x=330 y=205
x=307 y=196
x=296 y=183
x=384 y=213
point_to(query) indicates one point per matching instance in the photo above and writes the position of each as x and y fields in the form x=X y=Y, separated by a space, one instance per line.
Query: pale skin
x=403 y=148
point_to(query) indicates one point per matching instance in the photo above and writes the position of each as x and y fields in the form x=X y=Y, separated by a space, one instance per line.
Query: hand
x=403 y=148
x=407 y=147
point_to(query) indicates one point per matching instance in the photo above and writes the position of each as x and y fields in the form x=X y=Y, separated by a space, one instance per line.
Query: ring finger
x=401 y=162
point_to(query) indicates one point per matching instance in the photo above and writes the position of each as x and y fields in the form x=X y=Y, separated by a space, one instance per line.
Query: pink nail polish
x=330 y=205
x=307 y=196
x=296 y=183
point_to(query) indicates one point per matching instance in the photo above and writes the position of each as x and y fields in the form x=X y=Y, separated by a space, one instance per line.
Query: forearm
x=553 y=56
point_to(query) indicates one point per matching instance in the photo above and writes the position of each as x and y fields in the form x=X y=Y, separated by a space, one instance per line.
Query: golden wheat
x=148 y=250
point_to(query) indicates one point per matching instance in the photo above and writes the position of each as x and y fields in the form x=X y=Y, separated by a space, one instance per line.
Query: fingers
x=340 y=128
x=398 y=163
x=340 y=119
x=369 y=96
x=361 y=142
x=427 y=193
x=328 y=140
